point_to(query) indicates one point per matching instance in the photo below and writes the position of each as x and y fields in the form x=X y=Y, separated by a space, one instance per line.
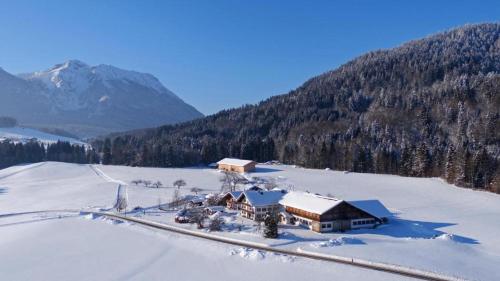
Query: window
x=258 y=209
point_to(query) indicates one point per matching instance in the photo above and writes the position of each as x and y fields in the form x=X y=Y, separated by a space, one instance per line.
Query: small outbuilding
x=236 y=165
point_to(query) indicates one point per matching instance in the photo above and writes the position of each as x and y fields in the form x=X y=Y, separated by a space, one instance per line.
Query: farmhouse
x=229 y=200
x=236 y=165
x=255 y=204
x=325 y=214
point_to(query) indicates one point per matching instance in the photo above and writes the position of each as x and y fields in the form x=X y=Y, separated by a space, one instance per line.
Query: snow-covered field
x=436 y=227
x=21 y=134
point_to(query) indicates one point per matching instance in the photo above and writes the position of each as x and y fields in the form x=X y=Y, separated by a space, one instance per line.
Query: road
x=394 y=269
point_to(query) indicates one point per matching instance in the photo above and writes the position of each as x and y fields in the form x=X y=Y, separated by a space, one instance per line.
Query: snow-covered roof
x=373 y=207
x=263 y=198
x=215 y=208
x=236 y=194
x=309 y=202
x=235 y=162
x=253 y=187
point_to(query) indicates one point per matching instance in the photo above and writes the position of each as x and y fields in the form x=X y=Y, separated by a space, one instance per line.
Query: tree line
x=12 y=153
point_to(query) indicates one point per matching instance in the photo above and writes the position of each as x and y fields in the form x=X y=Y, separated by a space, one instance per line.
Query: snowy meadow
x=434 y=227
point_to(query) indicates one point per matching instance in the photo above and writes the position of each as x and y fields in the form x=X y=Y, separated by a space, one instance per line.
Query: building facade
x=230 y=200
x=325 y=214
x=236 y=165
x=256 y=204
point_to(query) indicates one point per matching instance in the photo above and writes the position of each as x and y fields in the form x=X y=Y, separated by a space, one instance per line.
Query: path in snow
x=107 y=178
x=23 y=169
x=390 y=268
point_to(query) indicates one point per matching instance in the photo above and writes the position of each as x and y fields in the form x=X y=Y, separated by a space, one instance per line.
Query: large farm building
x=326 y=214
x=236 y=165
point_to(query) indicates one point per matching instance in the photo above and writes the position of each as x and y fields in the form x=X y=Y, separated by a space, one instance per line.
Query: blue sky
x=220 y=54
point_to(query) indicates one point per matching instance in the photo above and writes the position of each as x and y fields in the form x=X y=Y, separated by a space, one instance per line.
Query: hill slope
x=23 y=135
x=427 y=108
x=90 y=100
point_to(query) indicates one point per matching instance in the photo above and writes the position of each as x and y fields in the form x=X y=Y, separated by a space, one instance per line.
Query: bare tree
x=175 y=198
x=230 y=181
x=157 y=184
x=198 y=218
x=216 y=223
x=195 y=190
x=179 y=183
x=212 y=200
x=147 y=183
x=270 y=184
x=136 y=182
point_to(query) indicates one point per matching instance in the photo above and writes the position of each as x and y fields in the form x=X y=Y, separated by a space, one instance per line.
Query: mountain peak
x=70 y=64
x=77 y=76
x=91 y=100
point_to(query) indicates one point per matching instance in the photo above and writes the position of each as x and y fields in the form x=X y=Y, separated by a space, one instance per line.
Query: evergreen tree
x=270 y=226
x=421 y=163
x=106 y=152
x=450 y=165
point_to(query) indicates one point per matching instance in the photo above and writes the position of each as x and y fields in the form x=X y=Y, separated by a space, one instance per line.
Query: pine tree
x=463 y=167
x=450 y=165
x=406 y=162
x=106 y=152
x=270 y=226
x=422 y=161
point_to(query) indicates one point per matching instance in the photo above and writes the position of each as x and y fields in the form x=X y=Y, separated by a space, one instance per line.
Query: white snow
x=373 y=207
x=435 y=227
x=263 y=198
x=310 y=202
x=21 y=134
x=234 y=162
x=74 y=76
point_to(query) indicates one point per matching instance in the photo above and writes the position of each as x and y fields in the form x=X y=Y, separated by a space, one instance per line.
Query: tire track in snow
x=383 y=267
x=23 y=170
x=103 y=175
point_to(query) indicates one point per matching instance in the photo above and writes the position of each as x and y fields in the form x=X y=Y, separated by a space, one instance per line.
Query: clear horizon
x=225 y=54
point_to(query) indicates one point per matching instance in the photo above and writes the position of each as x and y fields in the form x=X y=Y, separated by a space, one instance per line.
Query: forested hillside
x=427 y=108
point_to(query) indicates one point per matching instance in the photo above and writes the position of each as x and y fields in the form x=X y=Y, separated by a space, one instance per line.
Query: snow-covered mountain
x=23 y=135
x=90 y=100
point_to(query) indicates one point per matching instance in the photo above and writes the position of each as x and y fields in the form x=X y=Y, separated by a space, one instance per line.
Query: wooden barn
x=236 y=165
x=326 y=214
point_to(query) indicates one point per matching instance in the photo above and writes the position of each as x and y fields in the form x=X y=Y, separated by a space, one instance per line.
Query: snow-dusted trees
x=422 y=162
x=230 y=180
x=449 y=169
x=106 y=152
x=215 y=223
x=30 y=152
x=270 y=226
x=372 y=114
